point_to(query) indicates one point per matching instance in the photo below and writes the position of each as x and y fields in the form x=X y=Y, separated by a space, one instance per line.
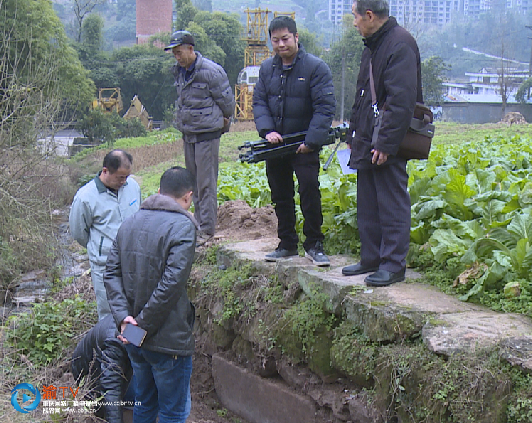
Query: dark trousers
x=201 y=159
x=280 y=174
x=384 y=216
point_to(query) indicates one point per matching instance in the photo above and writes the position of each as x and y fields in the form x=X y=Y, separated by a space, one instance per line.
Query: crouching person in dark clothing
x=101 y=358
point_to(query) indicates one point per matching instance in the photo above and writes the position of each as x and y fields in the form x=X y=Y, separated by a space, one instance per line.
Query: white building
x=337 y=10
x=433 y=12
x=436 y=12
x=485 y=86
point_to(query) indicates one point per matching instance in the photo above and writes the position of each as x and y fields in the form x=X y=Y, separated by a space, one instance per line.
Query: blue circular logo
x=25 y=398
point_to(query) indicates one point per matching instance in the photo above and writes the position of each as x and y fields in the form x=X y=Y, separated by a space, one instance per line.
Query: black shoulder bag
x=417 y=141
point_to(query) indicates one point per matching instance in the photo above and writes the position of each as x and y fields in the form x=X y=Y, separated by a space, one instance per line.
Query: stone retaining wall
x=290 y=341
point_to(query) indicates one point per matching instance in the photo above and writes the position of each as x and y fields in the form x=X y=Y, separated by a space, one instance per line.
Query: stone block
x=397 y=311
x=518 y=352
x=468 y=331
x=259 y=400
x=327 y=280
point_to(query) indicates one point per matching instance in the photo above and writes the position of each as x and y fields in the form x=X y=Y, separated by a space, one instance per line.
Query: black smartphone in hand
x=134 y=334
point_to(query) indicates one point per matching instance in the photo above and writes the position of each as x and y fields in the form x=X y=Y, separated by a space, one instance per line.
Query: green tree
x=125 y=27
x=225 y=31
x=344 y=60
x=98 y=126
x=309 y=42
x=107 y=127
x=523 y=93
x=91 y=37
x=186 y=12
x=206 y=45
x=34 y=43
x=41 y=82
x=144 y=70
x=82 y=9
x=433 y=72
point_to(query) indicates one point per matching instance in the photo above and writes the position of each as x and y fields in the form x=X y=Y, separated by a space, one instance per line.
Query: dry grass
x=16 y=368
x=148 y=156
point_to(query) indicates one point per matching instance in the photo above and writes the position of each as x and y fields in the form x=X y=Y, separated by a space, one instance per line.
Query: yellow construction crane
x=257 y=37
x=255 y=53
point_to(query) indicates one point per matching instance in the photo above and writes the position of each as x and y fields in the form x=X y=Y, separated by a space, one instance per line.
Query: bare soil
x=237 y=221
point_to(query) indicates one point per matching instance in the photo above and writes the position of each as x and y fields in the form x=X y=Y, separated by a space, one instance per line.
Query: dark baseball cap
x=180 y=37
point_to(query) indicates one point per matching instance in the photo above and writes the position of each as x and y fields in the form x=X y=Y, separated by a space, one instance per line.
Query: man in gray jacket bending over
x=146 y=282
x=205 y=102
x=98 y=210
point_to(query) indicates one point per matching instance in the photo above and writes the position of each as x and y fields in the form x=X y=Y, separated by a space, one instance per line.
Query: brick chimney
x=153 y=17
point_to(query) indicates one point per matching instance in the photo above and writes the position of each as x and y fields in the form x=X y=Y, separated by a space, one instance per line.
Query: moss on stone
x=378 y=351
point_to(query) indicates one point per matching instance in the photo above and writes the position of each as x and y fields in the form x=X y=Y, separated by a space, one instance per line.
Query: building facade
x=153 y=17
x=486 y=86
x=433 y=12
x=337 y=10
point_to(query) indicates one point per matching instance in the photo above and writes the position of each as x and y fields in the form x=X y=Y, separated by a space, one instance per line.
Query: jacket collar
x=100 y=185
x=373 y=41
x=177 y=70
x=165 y=203
x=277 y=61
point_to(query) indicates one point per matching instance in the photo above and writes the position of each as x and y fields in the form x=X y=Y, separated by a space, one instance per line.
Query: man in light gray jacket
x=98 y=210
x=204 y=105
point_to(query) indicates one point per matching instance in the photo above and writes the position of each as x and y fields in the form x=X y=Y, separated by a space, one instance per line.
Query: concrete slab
x=256 y=249
x=253 y=250
x=399 y=310
x=470 y=330
x=259 y=400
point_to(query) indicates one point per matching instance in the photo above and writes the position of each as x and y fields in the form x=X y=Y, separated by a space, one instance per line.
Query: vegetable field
x=471 y=216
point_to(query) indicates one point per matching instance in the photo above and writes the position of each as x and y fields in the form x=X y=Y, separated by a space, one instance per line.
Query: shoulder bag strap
x=372 y=88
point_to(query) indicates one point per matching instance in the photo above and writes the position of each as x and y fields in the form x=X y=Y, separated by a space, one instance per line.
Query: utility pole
x=342 y=100
x=529 y=63
x=503 y=82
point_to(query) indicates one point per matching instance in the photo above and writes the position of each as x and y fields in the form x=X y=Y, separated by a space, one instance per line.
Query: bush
x=97 y=125
x=108 y=127
x=130 y=128
x=45 y=332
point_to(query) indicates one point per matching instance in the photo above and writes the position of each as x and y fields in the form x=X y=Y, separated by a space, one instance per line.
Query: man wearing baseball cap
x=204 y=105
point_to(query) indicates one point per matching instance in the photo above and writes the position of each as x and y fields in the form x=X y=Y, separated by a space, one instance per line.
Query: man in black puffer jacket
x=383 y=202
x=146 y=282
x=294 y=93
x=101 y=358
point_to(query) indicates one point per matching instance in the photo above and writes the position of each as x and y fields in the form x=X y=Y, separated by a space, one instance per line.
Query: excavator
x=110 y=100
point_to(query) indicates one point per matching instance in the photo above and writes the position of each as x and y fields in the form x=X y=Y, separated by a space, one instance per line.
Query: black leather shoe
x=385 y=278
x=358 y=269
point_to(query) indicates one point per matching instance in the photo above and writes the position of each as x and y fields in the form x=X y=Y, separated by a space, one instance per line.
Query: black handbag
x=418 y=139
